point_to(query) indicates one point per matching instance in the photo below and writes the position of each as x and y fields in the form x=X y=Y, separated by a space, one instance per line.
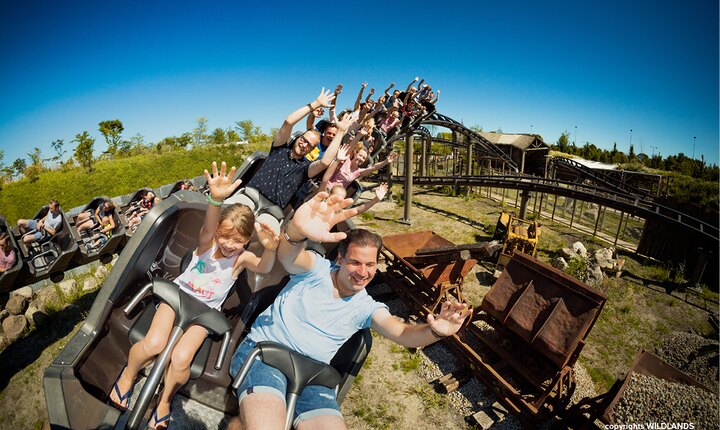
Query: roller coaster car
x=48 y=257
x=88 y=252
x=517 y=234
x=77 y=382
x=167 y=190
x=7 y=278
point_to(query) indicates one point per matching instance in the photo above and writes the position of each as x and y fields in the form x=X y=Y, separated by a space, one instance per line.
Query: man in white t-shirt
x=320 y=308
x=46 y=227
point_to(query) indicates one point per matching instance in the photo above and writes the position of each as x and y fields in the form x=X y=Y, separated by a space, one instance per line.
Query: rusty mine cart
x=529 y=331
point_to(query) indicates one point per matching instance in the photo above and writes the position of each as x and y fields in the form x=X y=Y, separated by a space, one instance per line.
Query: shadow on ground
x=28 y=349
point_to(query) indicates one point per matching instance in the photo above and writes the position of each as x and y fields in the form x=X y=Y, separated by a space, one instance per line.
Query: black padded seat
x=262 y=204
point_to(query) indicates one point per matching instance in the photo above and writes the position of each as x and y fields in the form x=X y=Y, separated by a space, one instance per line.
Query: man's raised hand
x=325 y=97
x=316 y=217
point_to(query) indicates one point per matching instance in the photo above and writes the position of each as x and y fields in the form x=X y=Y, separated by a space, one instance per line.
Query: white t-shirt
x=207 y=279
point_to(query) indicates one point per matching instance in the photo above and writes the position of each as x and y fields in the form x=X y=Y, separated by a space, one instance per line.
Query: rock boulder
x=13 y=326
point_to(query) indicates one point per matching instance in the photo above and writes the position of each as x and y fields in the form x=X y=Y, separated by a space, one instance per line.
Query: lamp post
x=575 y=140
x=694 y=137
x=630 y=141
x=653 y=148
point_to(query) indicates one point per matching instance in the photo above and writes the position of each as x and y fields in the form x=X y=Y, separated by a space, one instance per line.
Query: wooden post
x=423 y=155
x=618 y=230
x=523 y=203
x=552 y=217
x=573 y=212
x=539 y=213
x=597 y=220
x=408 y=178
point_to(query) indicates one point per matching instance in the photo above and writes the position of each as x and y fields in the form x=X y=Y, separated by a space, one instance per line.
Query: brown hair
x=242 y=219
x=6 y=237
x=360 y=237
x=111 y=205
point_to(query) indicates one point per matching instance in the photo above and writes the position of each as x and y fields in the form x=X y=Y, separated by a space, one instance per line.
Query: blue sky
x=546 y=67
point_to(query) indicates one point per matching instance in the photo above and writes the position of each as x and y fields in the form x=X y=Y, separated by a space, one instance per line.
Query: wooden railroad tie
x=452 y=381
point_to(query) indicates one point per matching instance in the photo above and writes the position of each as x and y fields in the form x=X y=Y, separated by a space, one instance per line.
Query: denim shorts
x=32 y=225
x=314 y=401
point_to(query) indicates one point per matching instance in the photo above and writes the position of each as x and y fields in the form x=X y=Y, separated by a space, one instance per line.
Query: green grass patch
x=378 y=417
x=409 y=361
x=76 y=186
x=432 y=401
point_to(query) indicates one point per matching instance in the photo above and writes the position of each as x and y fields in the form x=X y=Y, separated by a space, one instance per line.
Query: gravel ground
x=692 y=354
x=650 y=399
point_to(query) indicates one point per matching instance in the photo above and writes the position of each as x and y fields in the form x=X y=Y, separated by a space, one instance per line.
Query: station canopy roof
x=521 y=141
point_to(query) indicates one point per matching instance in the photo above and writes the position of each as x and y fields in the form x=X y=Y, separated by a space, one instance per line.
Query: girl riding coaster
x=216 y=263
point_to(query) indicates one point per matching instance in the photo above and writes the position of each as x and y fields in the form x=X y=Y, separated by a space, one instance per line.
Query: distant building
x=528 y=151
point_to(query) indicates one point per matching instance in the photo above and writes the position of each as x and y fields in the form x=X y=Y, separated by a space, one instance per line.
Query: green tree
x=18 y=166
x=5 y=171
x=111 y=131
x=57 y=146
x=36 y=166
x=137 y=143
x=631 y=154
x=249 y=131
x=563 y=142
x=218 y=137
x=477 y=128
x=232 y=136
x=200 y=136
x=84 y=150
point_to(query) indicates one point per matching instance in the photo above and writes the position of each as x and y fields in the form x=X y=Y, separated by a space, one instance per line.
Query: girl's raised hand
x=343 y=152
x=393 y=156
x=220 y=183
x=266 y=236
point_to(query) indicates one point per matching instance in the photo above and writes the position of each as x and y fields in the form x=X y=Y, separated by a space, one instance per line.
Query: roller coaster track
x=482 y=145
x=598 y=177
x=622 y=201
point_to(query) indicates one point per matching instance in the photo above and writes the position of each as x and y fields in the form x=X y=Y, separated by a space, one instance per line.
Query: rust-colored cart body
x=434 y=276
x=528 y=334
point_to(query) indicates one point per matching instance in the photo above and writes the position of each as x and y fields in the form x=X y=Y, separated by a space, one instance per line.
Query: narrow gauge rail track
x=635 y=206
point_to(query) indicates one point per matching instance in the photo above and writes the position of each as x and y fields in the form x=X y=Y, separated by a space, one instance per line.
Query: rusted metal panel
x=544 y=307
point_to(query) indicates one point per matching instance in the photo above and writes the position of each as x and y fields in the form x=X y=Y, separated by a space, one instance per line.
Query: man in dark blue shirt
x=286 y=168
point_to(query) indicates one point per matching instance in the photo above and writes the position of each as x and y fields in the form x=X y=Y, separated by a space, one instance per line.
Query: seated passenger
x=146 y=203
x=8 y=256
x=89 y=219
x=286 y=169
x=327 y=129
x=34 y=230
x=107 y=225
x=319 y=309
x=216 y=263
x=347 y=169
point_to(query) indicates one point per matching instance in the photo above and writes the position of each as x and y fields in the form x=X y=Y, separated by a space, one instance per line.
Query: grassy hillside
x=76 y=187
